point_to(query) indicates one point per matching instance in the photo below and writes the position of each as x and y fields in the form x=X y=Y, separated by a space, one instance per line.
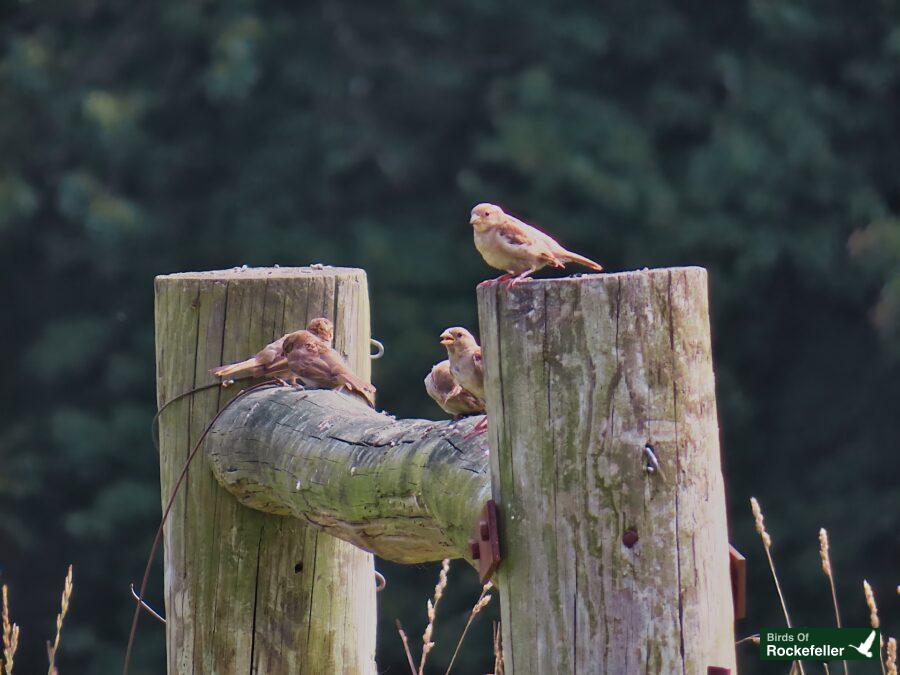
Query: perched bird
x=449 y=395
x=318 y=366
x=270 y=360
x=465 y=359
x=516 y=247
x=323 y=329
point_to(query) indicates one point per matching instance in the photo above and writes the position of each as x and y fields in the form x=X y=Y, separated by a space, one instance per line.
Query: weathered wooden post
x=248 y=591
x=608 y=567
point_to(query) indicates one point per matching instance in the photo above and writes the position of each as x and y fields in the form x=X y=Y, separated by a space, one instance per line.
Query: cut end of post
x=246 y=272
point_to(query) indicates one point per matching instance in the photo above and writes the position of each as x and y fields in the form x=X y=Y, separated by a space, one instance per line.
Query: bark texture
x=408 y=490
x=248 y=592
x=607 y=568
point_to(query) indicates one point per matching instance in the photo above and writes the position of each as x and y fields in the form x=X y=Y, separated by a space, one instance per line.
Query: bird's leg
x=479 y=428
x=290 y=382
x=488 y=282
x=516 y=279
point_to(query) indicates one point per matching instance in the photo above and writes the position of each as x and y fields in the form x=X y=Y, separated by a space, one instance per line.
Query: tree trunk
x=608 y=568
x=410 y=491
x=247 y=591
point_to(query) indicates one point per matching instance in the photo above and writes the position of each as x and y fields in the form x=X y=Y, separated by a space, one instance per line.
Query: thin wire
x=167 y=510
x=152 y=612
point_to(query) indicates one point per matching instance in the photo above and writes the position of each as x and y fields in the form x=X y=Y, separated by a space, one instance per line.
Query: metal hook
x=147 y=608
x=652 y=465
x=379 y=349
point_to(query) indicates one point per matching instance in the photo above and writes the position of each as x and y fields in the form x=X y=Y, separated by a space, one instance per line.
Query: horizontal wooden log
x=408 y=490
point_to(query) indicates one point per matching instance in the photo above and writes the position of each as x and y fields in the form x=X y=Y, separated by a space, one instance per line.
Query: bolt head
x=630 y=538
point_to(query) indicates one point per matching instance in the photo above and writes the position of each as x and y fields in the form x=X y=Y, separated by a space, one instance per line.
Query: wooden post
x=607 y=568
x=248 y=592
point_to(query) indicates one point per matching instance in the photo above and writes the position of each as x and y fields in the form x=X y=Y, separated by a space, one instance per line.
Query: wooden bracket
x=738 y=566
x=485 y=546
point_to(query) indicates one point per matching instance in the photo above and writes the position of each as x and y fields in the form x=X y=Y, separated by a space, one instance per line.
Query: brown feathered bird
x=270 y=360
x=449 y=394
x=516 y=247
x=465 y=359
x=318 y=366
x=466 y=366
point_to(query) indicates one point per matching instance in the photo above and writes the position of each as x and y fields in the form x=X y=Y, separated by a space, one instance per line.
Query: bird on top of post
x=517 y=248
x=315 y=364
x=270 y=360
x=452 y=397
x=466 y=364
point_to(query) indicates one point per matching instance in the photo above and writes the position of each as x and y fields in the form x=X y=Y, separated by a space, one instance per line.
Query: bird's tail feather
x=243 y=369
x=570 y=257
x=362 y=389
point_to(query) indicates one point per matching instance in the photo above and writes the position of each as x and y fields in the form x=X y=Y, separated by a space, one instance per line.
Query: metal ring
x=379 y=349
x=380 y=582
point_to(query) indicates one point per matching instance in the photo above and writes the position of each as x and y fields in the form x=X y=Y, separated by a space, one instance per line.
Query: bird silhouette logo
x=865 y=648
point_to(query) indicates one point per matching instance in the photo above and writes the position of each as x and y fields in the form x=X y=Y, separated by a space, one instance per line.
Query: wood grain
x=581 y=374
x=248 y=592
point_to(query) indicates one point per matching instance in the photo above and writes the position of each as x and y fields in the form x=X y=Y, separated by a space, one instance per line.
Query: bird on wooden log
x=318 y=366
x=452 y=397
x=466 y=364
x=270 y=360
x=517 y=248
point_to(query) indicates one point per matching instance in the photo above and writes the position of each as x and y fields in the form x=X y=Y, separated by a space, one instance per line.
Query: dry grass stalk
x=409 y=658
x=824 y=554
x=427 y=643
x=498 y=650
x=874 y=621
x=767 y=545
x=10 y=635
x=480 y=604
x=750 y=638
x=64 y=609
x=891 y=662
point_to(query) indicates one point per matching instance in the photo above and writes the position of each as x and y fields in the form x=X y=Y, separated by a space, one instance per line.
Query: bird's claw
x=502 y=277
x=478 y=429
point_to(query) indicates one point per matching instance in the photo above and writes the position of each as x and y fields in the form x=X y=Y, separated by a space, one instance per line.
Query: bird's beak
x=447 y=339
x=474 y=219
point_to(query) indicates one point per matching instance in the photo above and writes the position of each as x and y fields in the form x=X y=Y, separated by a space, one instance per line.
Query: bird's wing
x=478 y=363
x=342 y=376
x=272 y=351
x=463 y=402
x=517 y=234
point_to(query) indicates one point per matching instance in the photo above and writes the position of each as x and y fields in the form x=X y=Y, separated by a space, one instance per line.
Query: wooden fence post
x=245 y=591
x=608 y=567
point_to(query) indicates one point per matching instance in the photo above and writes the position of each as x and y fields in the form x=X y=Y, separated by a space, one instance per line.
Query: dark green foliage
x=759 y=139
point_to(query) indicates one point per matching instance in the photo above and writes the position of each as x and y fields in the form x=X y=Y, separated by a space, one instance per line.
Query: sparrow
x=270 y=359
x=516 y=247
x=318 y=366
x=449 y=395
x=465 y=359
x=323 y=329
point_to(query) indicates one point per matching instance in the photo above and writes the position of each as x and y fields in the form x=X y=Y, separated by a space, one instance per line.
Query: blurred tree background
x=760 y=139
